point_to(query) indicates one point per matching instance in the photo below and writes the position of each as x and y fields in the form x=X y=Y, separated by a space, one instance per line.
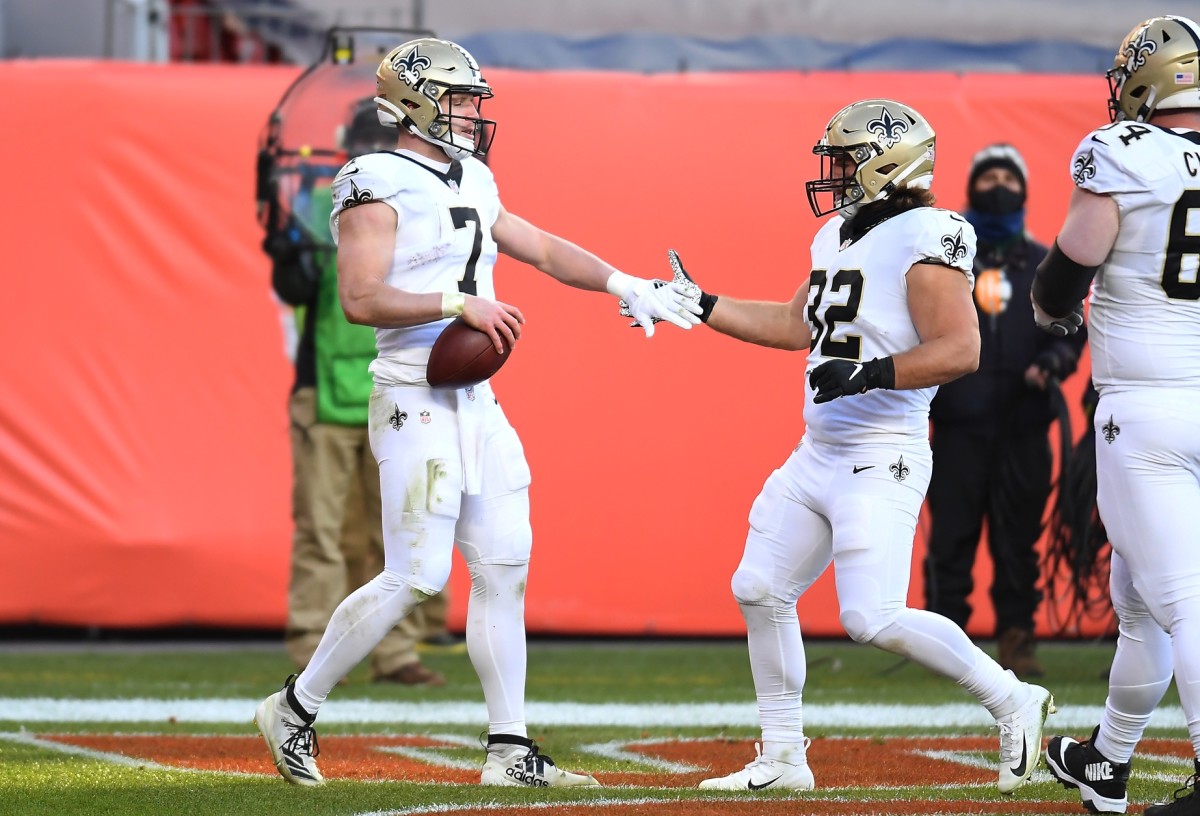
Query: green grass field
x=150 y=730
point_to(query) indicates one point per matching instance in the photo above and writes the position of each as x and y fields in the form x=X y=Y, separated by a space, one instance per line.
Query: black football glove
x=1058 y=326
x=841 y=378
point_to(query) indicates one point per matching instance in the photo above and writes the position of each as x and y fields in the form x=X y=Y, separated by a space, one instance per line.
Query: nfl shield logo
x=471 y=393
x=453 y=185
x=424 y=417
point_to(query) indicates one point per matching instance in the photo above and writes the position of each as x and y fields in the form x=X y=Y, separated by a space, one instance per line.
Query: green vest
x=343 y=349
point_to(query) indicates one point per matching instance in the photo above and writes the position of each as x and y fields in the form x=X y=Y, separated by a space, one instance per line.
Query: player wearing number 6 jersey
x=418 y=230
x=1133 y=224
x=887 y=316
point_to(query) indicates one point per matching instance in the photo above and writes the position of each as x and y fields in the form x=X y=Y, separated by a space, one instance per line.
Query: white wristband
x=453 y=303
x=619 y=284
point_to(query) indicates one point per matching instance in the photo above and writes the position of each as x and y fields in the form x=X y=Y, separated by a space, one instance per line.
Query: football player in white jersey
x=886 y=316
x=1133 y=225
x=418 y=230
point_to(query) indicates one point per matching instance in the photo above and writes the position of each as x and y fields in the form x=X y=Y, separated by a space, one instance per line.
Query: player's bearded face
x=841 y=168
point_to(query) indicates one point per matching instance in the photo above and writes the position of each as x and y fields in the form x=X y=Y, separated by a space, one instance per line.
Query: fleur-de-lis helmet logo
x=887 y=128
x=1085 y=168
x=408 y=67
x=1138 y=50
x=955 y=246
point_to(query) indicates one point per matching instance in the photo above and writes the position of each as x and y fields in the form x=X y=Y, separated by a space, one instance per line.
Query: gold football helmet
x=1156 y=68
x=416 y=86
x=869 y=149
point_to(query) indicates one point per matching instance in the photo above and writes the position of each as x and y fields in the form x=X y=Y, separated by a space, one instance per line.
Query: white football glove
x=649 y=302
x=691 y=291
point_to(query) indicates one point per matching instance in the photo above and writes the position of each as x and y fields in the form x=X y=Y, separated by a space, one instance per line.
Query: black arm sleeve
x=1060 y=284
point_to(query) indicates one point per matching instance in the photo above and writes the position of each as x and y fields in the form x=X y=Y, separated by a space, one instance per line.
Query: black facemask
x=997 y=200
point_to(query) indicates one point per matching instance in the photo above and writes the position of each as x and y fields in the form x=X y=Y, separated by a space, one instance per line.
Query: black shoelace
x=302 y=741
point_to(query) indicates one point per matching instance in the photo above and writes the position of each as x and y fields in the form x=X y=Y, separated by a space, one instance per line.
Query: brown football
x=463 y=356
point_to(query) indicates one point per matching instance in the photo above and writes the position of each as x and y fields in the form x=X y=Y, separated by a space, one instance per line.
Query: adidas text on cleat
x=1021 y=738
x=1101 y=783
x=764 y=774
x=516 y=762
x=288 y=730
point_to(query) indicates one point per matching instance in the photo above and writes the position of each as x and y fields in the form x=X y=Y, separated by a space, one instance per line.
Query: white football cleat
x=1021 y=738
x=765 y=774
x=290 y=736
x=516 y=762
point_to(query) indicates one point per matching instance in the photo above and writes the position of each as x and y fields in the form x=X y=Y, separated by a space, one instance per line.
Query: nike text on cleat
x=764 y=774
x=1021 y=738
x=290 y=736
x=1101 y=783
x=517 y=762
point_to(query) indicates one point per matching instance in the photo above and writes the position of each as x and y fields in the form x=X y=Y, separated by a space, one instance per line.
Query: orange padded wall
x=144 y=464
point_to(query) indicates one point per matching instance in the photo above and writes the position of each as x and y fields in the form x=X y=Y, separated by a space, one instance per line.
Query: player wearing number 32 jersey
x=886 y=315
x=418 y=231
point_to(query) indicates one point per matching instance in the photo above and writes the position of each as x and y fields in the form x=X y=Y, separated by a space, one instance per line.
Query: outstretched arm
x=575 y=266
x=761 y=322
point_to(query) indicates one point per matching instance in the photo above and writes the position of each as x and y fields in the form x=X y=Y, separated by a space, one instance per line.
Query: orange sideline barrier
x=144 y=464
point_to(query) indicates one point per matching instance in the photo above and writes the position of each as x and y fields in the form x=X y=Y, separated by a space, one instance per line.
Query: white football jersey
x=858 y=310
x=443 y=240
x=1144 y=320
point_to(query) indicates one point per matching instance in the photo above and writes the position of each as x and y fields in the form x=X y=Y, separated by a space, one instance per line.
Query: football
x=463 y=356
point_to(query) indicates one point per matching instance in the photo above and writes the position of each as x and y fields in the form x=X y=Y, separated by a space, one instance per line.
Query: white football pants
x=451 y=469
x=1148 y=489
x=855 y=506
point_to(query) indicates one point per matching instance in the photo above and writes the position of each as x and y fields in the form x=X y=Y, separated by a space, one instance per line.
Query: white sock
x=357 y=626
x=496 y=642
x=778 y=666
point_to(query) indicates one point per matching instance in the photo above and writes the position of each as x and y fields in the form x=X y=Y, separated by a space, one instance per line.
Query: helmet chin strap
x=454 y=151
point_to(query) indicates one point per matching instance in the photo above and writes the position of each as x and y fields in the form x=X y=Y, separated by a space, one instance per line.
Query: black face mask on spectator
x=998 y=213
x=999 y=200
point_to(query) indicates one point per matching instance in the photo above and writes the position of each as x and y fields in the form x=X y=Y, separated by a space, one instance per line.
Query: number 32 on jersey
x=845 y=294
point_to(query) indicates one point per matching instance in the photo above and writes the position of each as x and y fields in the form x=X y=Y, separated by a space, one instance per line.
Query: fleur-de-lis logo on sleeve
x=1111 y=430
x=899 y=469
x=1085 y=168
x=887 y=128
x=955 y=246
x=356 y=197
x=408 y=67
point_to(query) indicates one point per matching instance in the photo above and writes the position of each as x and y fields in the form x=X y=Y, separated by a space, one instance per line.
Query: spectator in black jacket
x=991 y=450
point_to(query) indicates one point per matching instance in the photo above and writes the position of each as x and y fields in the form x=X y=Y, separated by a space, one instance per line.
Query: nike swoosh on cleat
x=858 y=469
x=1019 y=768
x=750 y=784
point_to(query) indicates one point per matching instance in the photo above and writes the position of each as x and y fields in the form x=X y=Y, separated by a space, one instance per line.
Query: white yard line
x=25 y=710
